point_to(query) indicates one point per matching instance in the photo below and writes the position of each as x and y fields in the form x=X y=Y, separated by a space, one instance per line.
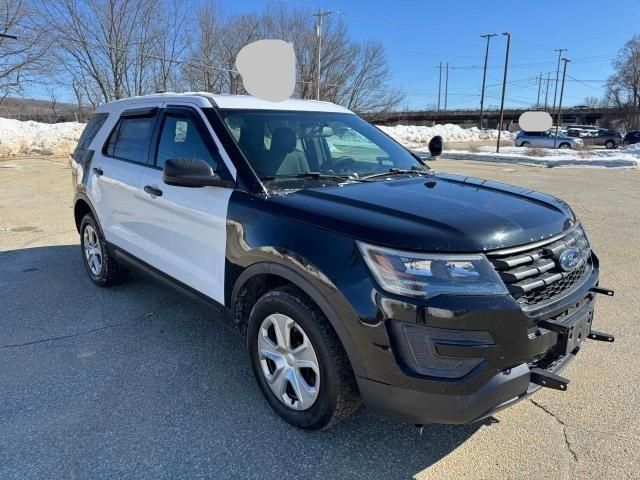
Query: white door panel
x=184 y=233
x=116 y=197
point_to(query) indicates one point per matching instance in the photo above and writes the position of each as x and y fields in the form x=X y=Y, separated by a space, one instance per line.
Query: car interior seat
x=284 y=159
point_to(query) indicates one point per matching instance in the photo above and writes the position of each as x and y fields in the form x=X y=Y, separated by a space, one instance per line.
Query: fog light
x=424 y=358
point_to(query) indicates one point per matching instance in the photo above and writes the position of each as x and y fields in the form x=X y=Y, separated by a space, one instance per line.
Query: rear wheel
x=299 y=362
x=101 y=267
x=564 y=145
x=525 y=144
x=609 y=144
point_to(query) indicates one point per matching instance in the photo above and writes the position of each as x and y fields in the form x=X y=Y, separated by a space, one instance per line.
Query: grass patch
x=536 y=152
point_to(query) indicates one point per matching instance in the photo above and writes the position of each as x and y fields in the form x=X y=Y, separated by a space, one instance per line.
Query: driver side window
x=181 y=138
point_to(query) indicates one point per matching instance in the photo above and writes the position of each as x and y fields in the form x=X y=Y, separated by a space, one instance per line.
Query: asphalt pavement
x=138 y=381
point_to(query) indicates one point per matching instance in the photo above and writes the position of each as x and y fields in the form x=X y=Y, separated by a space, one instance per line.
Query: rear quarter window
x=92 y=128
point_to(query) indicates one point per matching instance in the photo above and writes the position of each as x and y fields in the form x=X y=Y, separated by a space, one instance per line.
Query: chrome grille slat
x=533 y=277
x=520 y=273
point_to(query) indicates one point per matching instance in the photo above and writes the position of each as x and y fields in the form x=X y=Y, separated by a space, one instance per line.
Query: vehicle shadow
x=139 y=381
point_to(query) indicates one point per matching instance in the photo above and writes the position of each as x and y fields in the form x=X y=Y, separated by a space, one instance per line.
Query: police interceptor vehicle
x=356 y=273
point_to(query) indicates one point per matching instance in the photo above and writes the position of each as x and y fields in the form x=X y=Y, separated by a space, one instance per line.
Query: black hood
x=444 y=212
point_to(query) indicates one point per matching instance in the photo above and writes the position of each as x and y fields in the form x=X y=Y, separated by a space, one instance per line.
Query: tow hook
x=604 y=291
x=602 y=336
x=548 y=379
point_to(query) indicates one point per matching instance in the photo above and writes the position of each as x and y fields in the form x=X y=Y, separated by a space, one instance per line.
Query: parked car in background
x=631 y=138
x=584 y=128
x=546 y=140
x=600 y=138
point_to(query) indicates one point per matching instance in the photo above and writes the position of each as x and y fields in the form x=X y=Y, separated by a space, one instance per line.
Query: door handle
x=153 y=191
x=97 y=171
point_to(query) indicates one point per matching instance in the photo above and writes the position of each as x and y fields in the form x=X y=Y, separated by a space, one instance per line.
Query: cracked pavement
x=138 y=381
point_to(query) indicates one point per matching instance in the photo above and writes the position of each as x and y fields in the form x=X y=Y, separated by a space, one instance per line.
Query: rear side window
x=91 y=130
x=130 y=139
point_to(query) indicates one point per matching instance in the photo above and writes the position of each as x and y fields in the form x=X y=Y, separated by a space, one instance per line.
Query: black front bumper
x=502 y=375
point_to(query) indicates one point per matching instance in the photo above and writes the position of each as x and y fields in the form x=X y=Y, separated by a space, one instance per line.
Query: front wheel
x=299 y=362
x=564 y=146
x=609 y=144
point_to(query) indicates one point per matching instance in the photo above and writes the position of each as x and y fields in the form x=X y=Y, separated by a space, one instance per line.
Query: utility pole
x=484 y=74
x=439 y=86
x=446 y=87
x=546 y=91
x=320 y=14
x=564 y=74
x=555 y=93
x=504 y=87
x=539 y=87
x=5 y=35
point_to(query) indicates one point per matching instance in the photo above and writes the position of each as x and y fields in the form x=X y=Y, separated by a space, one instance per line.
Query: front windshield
x=280 y=145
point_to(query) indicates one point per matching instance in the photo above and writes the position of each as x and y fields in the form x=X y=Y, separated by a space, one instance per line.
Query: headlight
x=426 y=275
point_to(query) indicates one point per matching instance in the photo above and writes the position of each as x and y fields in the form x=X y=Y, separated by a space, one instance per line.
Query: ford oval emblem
x=569 y=259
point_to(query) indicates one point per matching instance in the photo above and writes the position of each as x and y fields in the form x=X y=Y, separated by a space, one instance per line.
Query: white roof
x=248 y=102
x=204 y=99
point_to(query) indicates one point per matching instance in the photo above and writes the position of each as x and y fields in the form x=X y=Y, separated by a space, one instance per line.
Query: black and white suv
x=353 y=270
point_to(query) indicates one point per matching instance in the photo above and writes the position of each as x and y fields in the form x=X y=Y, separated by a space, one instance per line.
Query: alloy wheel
x=288 y=362
x=92 y=250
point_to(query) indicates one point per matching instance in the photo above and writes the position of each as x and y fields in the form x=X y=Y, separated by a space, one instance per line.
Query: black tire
x=565 y=146
x=111 y=272
x=525 y=144
x=609 y=144
x=338 y=395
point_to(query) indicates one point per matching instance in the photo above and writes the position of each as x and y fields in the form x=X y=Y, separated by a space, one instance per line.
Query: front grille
x=532 y=274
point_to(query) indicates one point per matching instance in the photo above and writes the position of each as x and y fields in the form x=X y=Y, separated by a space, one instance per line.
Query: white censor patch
x=535 y=121
x=268 y=69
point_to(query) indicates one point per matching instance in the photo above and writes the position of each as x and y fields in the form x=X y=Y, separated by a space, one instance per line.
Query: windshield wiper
x=314 y=175
x=398 y=171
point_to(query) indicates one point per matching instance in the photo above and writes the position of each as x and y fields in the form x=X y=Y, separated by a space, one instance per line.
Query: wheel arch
x=81 y=206
x=280 y=275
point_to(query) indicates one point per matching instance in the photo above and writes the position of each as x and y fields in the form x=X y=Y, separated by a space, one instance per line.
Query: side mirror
x=191 y=172
x=435 y=146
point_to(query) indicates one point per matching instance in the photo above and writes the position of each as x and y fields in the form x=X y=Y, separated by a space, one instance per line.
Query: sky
x=418 y=35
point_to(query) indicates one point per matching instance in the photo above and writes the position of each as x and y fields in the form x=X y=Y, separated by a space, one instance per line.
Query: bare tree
x=592 y=102
x=200 y=68
x=79 y=93
x=22 y=59
x=170 y=45
x=109 y=49
x=367 y=89
x=105 y=43
x=623 y=87
x=236 y=33
x=53 y=102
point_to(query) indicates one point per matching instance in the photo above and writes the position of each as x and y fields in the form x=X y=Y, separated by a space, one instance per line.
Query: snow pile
x=546 y=157
x=412 y=134
x=26 y=138
x=633 y=149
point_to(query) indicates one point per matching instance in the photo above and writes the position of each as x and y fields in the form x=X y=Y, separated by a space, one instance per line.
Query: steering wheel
x=341 y=164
